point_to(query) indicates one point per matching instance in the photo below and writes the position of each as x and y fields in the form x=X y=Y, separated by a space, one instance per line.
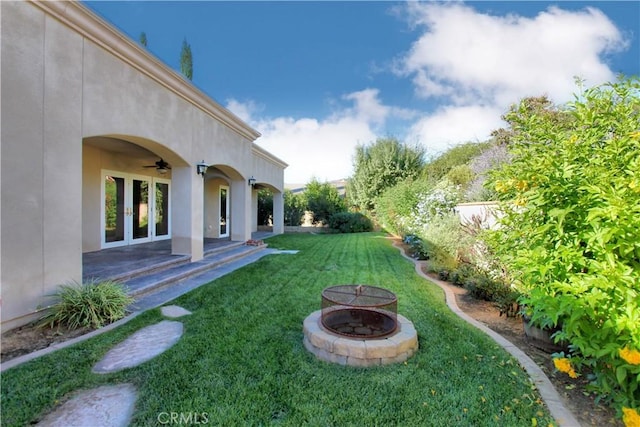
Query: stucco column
x=254 y=210
x=278 y=213
x=240 y=210
x=187 y=212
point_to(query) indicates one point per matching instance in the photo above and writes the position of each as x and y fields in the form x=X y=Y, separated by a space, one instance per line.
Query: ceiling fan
x=161 y=166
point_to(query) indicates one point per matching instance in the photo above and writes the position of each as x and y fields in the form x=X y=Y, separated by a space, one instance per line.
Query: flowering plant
x=571 y=229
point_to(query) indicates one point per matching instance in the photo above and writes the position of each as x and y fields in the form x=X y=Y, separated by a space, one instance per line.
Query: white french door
x=224 y=211
x=135 y=209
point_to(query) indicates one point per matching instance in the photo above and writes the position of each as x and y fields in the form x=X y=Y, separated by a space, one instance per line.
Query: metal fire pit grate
x=359 y=311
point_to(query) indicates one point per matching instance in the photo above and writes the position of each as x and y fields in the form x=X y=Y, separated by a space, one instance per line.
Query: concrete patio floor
x=115 y=263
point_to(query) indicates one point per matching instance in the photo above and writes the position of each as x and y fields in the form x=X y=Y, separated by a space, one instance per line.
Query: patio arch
x=125 y=163
x=83 y=85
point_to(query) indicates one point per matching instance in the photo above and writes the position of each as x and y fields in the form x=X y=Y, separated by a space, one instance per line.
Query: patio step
x=146 y=270
x=155 y=281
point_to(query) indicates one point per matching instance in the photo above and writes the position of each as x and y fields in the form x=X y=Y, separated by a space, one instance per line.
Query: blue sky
x=318 y=78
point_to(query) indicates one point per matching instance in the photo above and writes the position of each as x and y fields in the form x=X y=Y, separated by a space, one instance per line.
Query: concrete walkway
x=113 y=405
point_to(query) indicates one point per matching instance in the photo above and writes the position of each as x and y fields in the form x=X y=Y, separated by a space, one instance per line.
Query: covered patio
x=129 y=261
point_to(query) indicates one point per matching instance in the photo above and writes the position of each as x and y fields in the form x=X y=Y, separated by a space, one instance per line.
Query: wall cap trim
x=95 y=29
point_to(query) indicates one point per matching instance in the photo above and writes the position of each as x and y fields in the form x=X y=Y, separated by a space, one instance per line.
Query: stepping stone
x=174 y=311
x=102 y=406
x=144 y=345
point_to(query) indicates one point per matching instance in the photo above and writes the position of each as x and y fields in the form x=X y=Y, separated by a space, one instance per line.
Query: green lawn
x=242 y=362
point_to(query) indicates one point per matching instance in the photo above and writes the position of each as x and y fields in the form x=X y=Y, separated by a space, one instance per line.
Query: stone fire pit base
x=362 y=352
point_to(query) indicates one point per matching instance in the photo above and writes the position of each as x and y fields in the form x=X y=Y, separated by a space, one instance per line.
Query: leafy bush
x=396 y=206
x=418 y=249
x=461 y=175
x=438 y=168
x=381 y=165
x=444 y=240
x=480 y=166
x=350 y=222
x=570 y=234
x=294 y=208
x=460 y=275
x=265 y=207
x=484 y=288
x=91 y=304
x=438 y=202
x=323 y=200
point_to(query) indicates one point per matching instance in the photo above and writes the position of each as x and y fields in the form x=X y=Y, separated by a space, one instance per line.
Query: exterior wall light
x=201 y=168
x=252 y=181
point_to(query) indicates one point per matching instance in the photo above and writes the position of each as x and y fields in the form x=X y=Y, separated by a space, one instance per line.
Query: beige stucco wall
x=212 y=205
x=68 y=77
x=484 y=213
x=41 y=163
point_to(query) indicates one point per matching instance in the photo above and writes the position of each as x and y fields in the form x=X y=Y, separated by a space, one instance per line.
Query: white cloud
x=244 y=110
x=471 y=56
x=473 y=64
x=477 y=65
x=452 y=125
x=321 y=148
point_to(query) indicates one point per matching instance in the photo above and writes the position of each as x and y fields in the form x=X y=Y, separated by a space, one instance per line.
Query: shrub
x=91 y=304
x=265 y=207
x=443 y=274
x=381 y=165
x=484 y=288
x=350 y=222
x=294 y=208
x=461 y=274
x=396 y=206
x=571 y=228
x=323 y=200
x=418 y=249
x=507 y=303
x=437 y=168
x=444 y=240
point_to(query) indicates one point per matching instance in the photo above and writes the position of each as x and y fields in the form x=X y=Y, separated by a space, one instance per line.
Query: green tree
x=540 y=106
x=265 y=207
x=294 y=207
x=186 y=60
x=143 y=39
x=396 y=206
x=570 y=229
x=462 y=154
x=323 y=200
x=380 y=166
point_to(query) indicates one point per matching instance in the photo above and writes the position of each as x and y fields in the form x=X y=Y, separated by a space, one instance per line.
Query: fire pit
x=359 y=325
x=359 y=311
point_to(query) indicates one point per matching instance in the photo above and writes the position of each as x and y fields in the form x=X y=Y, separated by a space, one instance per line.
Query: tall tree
x=186 y=60
x=529 y=108
x=323 y=200
x=294 y=207
x=143 y=39
x=265 y=207
x=380 y=166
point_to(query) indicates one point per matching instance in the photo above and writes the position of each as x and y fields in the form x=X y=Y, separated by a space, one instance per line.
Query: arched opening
x=220 y=203
x=127 y=191
x=265 y=195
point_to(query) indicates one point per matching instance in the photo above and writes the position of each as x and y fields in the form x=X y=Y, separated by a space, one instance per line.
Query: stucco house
x=100 y=147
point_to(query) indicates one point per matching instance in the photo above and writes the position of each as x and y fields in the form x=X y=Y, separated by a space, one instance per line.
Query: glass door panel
x=114 y=209
x=140 y=209
x=161 y=214
x=135 y=209
x=224 y=211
